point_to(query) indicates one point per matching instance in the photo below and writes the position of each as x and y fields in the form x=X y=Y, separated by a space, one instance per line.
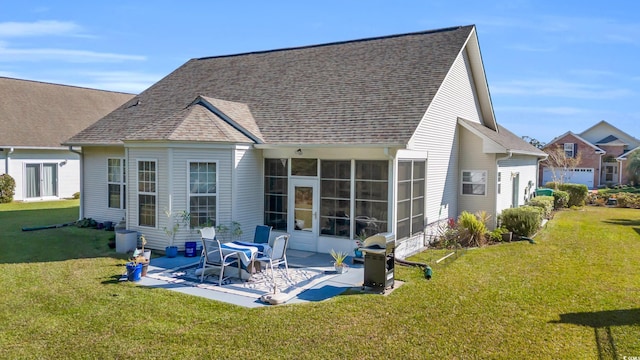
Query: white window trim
x=138 y=192
x=122 y=183
x=462 y=182
x=188 y=202
x=569 y=149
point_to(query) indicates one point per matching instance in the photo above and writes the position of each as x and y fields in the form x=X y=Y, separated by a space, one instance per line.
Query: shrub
x=543 y=202
x=523 y=221
x=577 y=193
x=7 y=188
x=560 y=199
x=76 y=195
x=474 y=229
x=628 y=200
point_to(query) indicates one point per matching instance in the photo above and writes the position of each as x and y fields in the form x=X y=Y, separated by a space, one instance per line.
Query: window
x=410 y=202
x=202 y=194
x=474 y=182
x=147 y=193
x=335 y=197
x=499 y=183
x=304 y=167
x=570 y=150
x=41 y=180
x=372 y=192
x=275 y=193
x=116 y=183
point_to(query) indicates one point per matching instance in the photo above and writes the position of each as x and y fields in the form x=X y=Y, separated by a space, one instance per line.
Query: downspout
x=541 y=159
x=6 y=161
x=81 y=155
x=495 y=212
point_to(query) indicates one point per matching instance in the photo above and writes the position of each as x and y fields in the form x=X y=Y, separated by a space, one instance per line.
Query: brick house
x=603 y=149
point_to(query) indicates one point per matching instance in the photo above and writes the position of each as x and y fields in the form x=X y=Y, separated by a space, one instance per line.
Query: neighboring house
x=35 y=118
x=390 y=134
x=603 y=150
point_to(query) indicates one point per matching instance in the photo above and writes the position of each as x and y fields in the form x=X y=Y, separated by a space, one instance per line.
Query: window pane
x=114 y=196
x=275 y=193
x=404 y=191
x=304 y=167
x=335 y=198
x=404 y=170
x=147 y=210
x=202 y=210
x=419 y=169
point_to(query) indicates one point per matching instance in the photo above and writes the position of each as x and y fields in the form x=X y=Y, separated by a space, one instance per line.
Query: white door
x=303 y=217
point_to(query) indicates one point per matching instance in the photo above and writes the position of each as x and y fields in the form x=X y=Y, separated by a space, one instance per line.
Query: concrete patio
x=333 y=286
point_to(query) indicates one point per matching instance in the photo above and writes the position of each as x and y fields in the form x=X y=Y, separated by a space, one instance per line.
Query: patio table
x=246 y=250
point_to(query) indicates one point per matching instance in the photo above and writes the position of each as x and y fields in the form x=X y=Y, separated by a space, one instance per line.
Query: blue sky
x=552 y=66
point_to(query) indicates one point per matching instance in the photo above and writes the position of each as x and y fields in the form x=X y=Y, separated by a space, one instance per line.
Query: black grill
x=379 y=261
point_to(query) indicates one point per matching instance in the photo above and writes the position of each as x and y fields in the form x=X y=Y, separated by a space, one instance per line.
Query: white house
x=391 y=134
x=35 y=118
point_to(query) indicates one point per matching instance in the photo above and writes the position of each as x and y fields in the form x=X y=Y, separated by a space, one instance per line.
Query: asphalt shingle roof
x=37 y=114
x=506 y=139
x=367 y=91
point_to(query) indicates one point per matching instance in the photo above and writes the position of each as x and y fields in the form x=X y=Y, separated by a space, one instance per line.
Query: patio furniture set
x=247 y=257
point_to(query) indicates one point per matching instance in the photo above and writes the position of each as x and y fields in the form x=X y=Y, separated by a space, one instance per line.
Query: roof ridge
x=334 y=43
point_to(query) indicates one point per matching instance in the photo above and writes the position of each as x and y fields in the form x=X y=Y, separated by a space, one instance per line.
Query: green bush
x=627 y=200
x=474 y=228
x=7 y=188
x=543 y=202
x=523 y=221
x=560 y=199
x=577 y=193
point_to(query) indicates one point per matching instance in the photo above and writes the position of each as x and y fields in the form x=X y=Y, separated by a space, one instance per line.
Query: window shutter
x=575 y=149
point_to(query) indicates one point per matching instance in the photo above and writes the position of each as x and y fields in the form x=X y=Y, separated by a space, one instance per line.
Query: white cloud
x=558 y=89
x=125 y=81
x=73 y=56
x=38 y=28
x=558 y=110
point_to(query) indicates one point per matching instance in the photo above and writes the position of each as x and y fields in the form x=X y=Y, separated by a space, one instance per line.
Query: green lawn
x=575 y=294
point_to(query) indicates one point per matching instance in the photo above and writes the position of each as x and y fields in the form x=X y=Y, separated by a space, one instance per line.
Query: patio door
x=303 y=214
x=41 y=180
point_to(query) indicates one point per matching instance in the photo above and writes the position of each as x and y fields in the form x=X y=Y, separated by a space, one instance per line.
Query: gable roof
x=595 y=132
x=585 y=141
x=368 y=91
x=501 y=141
x=43 y=115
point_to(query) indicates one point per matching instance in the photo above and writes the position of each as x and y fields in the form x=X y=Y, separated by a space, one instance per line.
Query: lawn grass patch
x=554 y=299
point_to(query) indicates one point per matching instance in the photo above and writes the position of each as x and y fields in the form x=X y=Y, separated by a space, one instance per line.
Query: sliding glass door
x=41 y=180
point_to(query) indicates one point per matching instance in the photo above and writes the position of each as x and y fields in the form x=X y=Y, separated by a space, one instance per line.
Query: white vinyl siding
x=526 y=168
x=437 y=134
x=474 y=159
x=68 y=170
x=247 y=189
x=94 y=196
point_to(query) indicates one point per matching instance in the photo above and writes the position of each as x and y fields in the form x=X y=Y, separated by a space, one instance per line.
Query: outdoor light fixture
x=299 y=152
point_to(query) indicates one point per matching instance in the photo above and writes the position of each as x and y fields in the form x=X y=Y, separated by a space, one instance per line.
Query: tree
x=559 y=163
x=633 y=167
x=535 y=142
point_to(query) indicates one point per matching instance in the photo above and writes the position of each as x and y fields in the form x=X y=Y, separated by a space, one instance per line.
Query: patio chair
x=262 y=234
x=277 y=257
x=213 y=254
